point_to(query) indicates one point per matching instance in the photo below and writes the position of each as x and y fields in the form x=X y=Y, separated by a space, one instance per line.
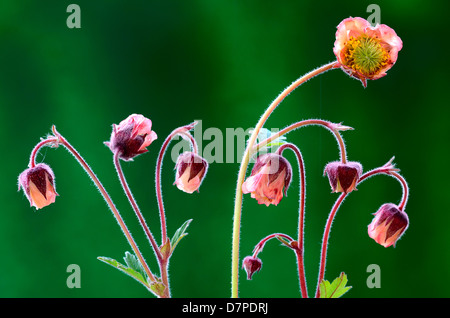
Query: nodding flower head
x=366 y=52
x=388 y=225
x=131 y=137
x=343 y=177
x=190 y=171
x=270 y=175
x=251 y=265
x=38 y=185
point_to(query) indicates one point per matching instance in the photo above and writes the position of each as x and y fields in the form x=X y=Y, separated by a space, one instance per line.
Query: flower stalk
x=243 y=169
x=57 y=140
x=387 y=169
x=184 y=132
x=299 y=251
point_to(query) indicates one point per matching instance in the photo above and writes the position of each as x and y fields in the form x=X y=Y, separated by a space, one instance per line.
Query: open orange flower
x=366 y=52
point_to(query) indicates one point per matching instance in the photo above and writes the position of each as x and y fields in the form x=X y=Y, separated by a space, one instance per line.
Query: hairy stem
x=135 y=207
x=50 y=141
x=184 y=132
x=243 y=170
x=326 y=235
x=259 y=247
x=61 y=140
x=330 y=126
x=301 y=217
x=388 y=169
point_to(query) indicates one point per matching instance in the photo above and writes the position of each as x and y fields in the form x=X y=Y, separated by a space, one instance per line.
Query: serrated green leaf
x=126 y=270
x=336 y=289
x=179 y=234
x=133 y=263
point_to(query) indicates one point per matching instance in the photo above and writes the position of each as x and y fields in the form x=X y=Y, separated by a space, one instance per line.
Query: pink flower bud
x=270 y=174
x=251 y=265
x=131 y=137
x=366 y=52
x=38 y=185
x=388 y=225
x=343 y=177
x=190 y=171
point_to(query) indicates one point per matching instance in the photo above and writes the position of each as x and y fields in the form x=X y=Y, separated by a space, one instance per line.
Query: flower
x=366 y=52
x=251 y=265
x=343 y=177
x=191 y=170
x=131 y=137
x=270 y=174
x=38 y=185
x=388 y=225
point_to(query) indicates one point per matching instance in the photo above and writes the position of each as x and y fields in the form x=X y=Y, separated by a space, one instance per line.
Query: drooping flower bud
x=343 y=177
x=131 y=137
x=251 y=265
x=190 y=171
x=366 y=52
x=270 y=177
x=38 y=185
x=388 y=225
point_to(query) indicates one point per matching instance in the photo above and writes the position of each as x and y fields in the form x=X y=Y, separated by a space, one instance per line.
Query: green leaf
x=179 y=234
x=133 y=270
x=264 y=134
x=133 y=263
x=336 y=289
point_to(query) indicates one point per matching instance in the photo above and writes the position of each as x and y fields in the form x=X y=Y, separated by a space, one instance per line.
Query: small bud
x=190 y=171
x=343 y=177
x=270 y=175
x=388 y=225
x=251 y=265
x=38 y=185
x=131 y=137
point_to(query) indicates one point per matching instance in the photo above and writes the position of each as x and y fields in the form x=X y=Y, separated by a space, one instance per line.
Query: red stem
x=388 y=169
x=135 y=207
x=184 y=131
x=301 y=217
x=259 y=247
x=34 y=152
x=330 y=126
x=326 y=234
x=58 y=139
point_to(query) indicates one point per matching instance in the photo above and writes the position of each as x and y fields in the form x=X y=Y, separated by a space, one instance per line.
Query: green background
x=221 y=62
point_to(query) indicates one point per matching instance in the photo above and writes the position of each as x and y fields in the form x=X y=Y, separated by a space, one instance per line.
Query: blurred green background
x=221 y=62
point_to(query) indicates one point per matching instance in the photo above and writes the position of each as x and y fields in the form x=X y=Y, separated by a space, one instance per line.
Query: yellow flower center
x=365 y=55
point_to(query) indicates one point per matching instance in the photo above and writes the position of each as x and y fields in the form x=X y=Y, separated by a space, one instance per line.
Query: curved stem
x=405 y=189
x=388 y=169
x=183 y=131
x=243 y=169
x=326 y=234
x=61 y=140
x=135 y=206
x=50 y=140
x=301 y=217
x=259 y=247
x=334 y=128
